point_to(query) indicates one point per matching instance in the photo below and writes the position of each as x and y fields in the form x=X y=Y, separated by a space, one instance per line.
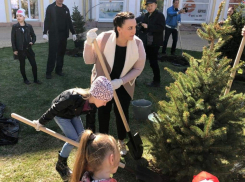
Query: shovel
x=135 y=143
x=141 y=172
x=178 y=29
x=232 y=75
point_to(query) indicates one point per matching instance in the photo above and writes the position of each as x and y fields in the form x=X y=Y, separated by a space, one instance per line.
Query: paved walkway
x=190 y=40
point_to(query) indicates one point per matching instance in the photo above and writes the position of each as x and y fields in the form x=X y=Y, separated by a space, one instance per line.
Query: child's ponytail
x=92 y=152
x=81 y=163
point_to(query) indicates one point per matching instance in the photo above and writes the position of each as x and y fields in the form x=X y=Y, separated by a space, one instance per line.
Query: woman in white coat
x=124 y=56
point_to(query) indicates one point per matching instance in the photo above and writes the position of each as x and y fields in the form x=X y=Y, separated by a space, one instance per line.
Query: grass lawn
x=34 y=157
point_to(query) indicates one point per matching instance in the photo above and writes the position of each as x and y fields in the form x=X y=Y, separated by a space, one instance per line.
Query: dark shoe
x=48 y=76
x=62 y=168
x=60 y=74
x=27 y=82
x=153 y=84
x=38 y=82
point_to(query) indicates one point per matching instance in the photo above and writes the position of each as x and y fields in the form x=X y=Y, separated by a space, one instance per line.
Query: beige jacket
x=134 y=63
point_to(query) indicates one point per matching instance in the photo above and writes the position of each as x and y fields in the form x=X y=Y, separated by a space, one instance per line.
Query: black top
x=50 y=22
x=25 y=44
x=156 y=26
x=119 y=61
x=61 y=20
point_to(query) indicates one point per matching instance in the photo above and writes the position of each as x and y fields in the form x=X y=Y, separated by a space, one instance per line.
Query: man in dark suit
x=57 y=24
x=154 y=24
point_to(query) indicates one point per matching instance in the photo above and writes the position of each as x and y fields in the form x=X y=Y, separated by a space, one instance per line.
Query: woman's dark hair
x=120 y=19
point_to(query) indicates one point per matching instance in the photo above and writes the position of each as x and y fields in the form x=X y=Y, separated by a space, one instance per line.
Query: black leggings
x=31 y=57
x=104 y=114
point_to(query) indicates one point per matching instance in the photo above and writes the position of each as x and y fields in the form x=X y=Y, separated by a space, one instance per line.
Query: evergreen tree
x=237 y=20
x=78 y=23
x=200 y=128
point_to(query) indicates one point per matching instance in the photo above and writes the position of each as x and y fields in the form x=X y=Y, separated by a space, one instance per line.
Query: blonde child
x=98 y=157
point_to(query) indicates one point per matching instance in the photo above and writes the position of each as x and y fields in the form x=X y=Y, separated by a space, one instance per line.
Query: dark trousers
x=57 y=48
x=152 y=54
x=90 y=119
x=104 y=114
x=168 y=32
x=30 y=55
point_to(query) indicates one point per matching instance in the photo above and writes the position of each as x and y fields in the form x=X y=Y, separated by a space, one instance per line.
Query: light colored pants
x=72 y=128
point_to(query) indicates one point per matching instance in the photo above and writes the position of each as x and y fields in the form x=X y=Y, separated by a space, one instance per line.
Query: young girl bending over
x=66 y=109
x=98 y=157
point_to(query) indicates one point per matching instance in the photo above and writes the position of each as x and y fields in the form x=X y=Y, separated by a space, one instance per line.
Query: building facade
x=103 y=11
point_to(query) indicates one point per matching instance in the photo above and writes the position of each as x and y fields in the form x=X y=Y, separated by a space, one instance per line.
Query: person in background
x=124 y=56
x=172 y=23
x=22 y=38
x=229 y=13
x=66 y=109
x=97 y=158
x=153 y=24
x=57 y=24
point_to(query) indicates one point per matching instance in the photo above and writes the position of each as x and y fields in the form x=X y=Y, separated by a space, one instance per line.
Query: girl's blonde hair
x=92 y=152
x=84 y=92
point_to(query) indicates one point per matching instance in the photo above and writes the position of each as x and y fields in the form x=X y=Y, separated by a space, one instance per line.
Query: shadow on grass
x=39 y=149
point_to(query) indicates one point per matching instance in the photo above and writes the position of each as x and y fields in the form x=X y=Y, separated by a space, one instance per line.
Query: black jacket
x=18 y=36
x=139 y=29
x=50 y=24
x=156 y=26
x=67 y=105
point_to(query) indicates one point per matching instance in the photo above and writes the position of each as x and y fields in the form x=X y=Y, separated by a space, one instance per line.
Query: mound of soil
x=76 y=52
x=175 y=60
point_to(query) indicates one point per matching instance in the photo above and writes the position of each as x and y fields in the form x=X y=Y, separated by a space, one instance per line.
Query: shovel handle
x=45 y=130
x=238 y=57
x=102 y=62
x=51 y=132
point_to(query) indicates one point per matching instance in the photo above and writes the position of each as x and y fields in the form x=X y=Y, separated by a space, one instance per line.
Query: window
x=108 y=9
x=197 y=11
x=31 y=7
x=233 y=3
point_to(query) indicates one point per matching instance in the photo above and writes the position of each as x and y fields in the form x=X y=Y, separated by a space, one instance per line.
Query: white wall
x=71 y=3
x=3 y=12
x=94 y=12
x=132 y=6
x=129 y=5
x=45 y=5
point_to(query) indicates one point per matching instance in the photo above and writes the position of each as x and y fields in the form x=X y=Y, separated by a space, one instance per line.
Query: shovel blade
x=135 y=146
